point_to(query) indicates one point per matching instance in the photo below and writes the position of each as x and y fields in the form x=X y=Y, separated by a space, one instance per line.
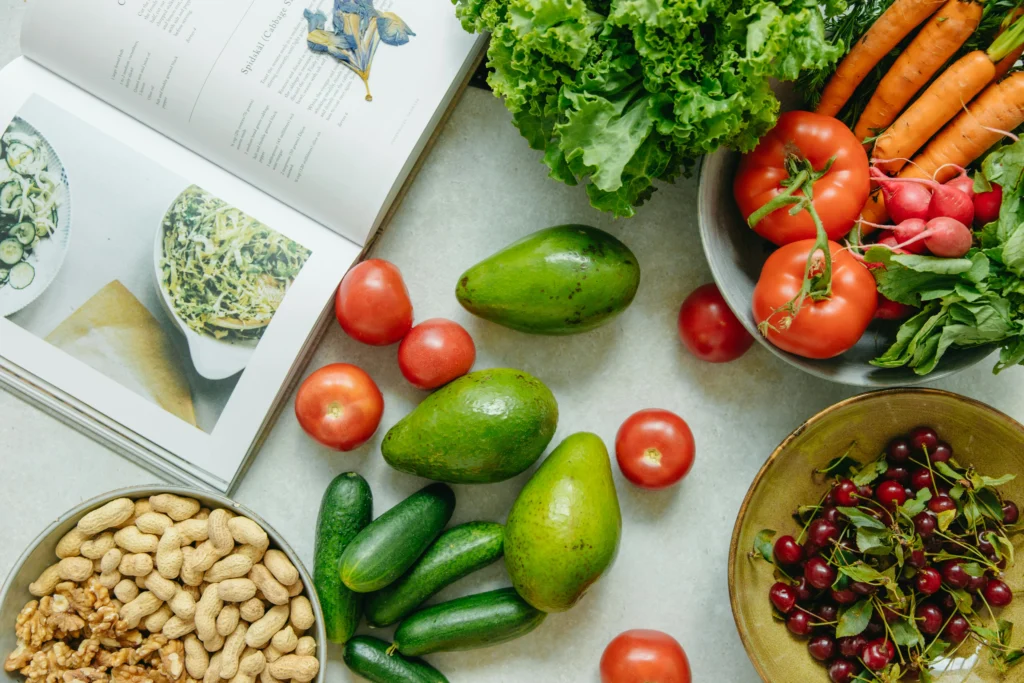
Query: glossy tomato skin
x=709 y=329
x=839 y=195
x=340 y=406
x=435 y=352
x=654 y=448
x=822 y=329
x=644 y=656
x=372 y=304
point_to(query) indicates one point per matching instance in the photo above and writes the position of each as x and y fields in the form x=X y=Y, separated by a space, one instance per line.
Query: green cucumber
x=467 y=623
x=392 y=543
x=458 y=552
x=347 y=507
x=369 y=657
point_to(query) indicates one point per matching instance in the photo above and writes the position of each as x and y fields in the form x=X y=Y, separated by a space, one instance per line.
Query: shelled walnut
x=136 y=596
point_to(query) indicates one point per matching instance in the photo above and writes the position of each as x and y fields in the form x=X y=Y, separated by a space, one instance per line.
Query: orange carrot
x=941 y=36
x=1000 y=107
x=954 y=88
x=1007 y=62
x=902 y=17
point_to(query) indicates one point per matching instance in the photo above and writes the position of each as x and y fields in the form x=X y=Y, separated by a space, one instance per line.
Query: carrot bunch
x=963 y=112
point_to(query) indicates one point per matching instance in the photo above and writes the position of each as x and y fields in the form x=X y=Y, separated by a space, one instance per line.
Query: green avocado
x=562 y=280
x=484 y=427
x=563 y=530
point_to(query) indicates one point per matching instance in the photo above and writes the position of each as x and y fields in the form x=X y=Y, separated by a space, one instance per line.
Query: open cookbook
x=182 y=186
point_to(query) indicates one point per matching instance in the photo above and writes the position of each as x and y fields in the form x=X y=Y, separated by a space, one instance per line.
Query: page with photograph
x=146 y=283
x=325 y=104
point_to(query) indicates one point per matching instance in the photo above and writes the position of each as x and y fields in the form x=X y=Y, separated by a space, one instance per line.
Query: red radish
x=946 y=201
x=903 y=200
x=986 y=205
x=945 y=237
x=907 y=231
x=963 y=183
x=892 y=310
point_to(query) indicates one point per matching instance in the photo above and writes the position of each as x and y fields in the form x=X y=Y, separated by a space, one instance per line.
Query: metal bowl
x=736 y=254
x=979 y=434
x=41 y=554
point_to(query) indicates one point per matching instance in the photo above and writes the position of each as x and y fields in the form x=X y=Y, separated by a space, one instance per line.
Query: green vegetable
x=21 y=275
x=224 y=271
x=974 y=301
x=485 y=427
x=346 y=509
x=371 y=659
x=467 y=623
x=457 y=553
x=562 y=280
x=620 y=94
x=392 y=543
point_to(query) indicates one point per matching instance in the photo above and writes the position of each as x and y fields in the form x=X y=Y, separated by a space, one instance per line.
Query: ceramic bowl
x=979 y=435
x=736 y=255
x=41 y=554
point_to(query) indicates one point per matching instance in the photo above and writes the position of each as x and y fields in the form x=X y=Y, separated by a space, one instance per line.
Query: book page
x=322 y=104
x=146 y=283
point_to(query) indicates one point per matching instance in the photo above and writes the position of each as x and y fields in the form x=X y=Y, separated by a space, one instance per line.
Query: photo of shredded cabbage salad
x=30 y=195
x=224 y=272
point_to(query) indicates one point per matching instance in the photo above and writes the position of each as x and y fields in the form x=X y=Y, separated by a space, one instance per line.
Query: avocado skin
x=564 y=528
x=482 y=428
x=562 y=280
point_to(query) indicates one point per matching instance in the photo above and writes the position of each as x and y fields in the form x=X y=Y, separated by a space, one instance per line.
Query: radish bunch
x=932 y=217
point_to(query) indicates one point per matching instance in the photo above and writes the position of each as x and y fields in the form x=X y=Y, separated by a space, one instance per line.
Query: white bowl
x=41 y=554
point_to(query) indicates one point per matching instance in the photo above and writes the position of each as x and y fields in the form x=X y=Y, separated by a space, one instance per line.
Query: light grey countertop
x=480 y=188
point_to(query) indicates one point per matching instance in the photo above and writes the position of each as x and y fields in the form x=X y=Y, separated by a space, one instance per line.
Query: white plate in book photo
x=45 y=259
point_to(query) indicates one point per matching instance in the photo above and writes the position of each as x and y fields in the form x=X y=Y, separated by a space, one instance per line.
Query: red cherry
x=798 y=623
x=917 y=559
x=928 y=581
x=890 y=494
x=841 y=671
x=921 y=479
x=929 y=619
x=997 y=593
x=954 y=574
x=942 y=453
x=923 y=439
x=845 y=493
x=818 y=572
x=1011 y=513
x=878 y=654
x=925 y=523
x=956 y=630
x=898 y=451
x=844 y=597
x=788 y=551
x=822 y=647
x=852 y=646
x=782 y=596
x=941 y=503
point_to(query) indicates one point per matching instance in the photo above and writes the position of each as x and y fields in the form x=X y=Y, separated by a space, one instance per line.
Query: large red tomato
x=373 y=304
x=340 y=406
x=823 y=327
x=709 y=329
x=643 y=656
x=795 y=153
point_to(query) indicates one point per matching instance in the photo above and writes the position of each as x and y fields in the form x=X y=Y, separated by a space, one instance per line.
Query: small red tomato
x=644 y=656
x=654 y=448
x=340 y=406
x=709 y=329
x=435 y=352
x=372 y=304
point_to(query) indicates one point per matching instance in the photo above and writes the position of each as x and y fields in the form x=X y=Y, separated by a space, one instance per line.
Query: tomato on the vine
x=794 y=156
x=708 y=328
x=644 y=656
x=340 y=406
x=819 y=325
x=435 y=352
x=654 y=448
x=372 y=304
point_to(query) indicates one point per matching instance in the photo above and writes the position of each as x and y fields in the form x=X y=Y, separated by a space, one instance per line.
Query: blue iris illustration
x=357 y=29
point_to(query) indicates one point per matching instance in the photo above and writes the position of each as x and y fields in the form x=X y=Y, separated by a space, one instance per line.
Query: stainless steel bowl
x=41 y=554
x=736 y=254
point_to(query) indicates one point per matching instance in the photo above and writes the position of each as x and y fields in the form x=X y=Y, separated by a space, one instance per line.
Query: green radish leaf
x=905 y=633
x=946 y=518
x=854 y=619
x=871 y=472
x=763 y=544
x=860 y=519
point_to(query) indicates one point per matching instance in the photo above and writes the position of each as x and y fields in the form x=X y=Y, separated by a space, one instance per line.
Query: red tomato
x=823 y=328
x=340 y=406
x=373 y=304
x=435 y=352
x=654 y=448
x=801 y=137
x=709 y=329
x=644 y=656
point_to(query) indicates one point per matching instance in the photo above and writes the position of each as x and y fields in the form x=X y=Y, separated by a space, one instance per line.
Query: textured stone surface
x=480 y=189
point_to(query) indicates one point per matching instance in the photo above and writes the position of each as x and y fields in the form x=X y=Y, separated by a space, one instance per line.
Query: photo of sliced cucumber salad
x=31 y=193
